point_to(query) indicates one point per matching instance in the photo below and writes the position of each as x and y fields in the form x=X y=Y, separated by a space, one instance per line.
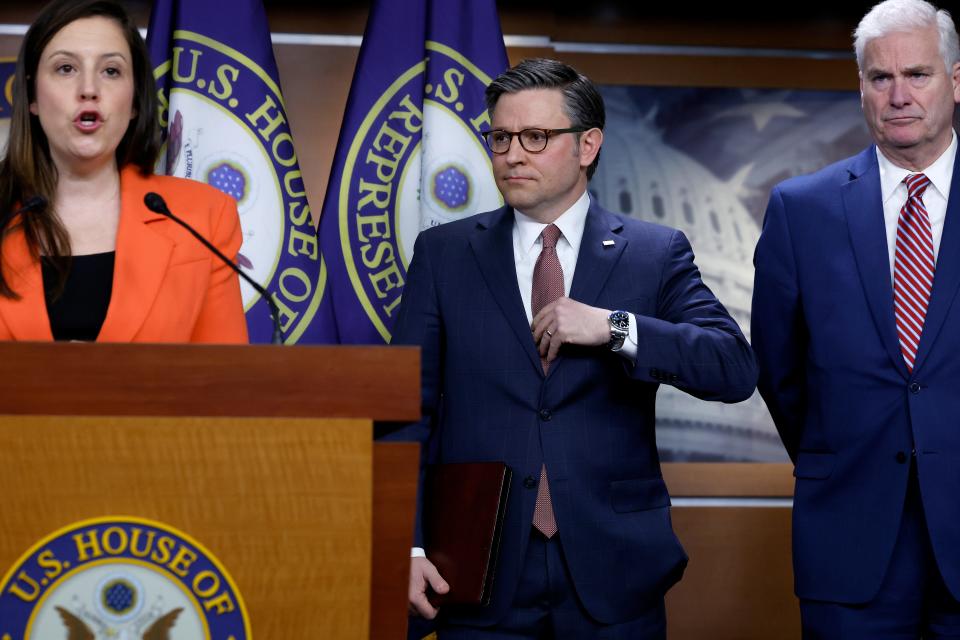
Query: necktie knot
x=916 y=185
x=550 y=235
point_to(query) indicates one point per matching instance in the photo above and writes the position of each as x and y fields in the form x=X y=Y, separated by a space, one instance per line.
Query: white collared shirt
x=894 y=193
x=526 y=249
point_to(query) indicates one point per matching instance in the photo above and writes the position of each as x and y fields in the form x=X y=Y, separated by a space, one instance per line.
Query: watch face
x=619 y=328
x=620 y=320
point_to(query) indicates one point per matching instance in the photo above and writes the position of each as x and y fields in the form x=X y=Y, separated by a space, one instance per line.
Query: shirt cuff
x=629 y=349
x=417 y=552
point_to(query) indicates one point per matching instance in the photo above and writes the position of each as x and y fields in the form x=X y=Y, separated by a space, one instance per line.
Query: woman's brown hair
x=27 y=170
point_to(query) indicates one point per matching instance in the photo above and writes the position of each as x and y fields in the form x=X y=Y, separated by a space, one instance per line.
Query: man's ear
x=955 y=77
x=590 y=142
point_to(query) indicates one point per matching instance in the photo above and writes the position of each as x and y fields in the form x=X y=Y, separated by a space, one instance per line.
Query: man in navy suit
x=546 y=327
x=856 y=324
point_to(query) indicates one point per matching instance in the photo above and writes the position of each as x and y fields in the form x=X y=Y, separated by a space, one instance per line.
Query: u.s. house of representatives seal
x=411 y=167
x=120 y=578
x=226 y=126
x=7 y=69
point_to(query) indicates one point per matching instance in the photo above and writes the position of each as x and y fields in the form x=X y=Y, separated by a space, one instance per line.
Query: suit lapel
x=27 y=317
x=864 y=211
x=141 y=261
x=492 y=245
x=946 y=278
x=596 y=260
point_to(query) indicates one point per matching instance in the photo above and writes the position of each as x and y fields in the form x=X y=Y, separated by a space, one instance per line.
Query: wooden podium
x=263 y=454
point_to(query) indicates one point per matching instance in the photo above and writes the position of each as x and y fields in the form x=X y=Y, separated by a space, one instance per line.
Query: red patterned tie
x=547 y=287
x=913 y=268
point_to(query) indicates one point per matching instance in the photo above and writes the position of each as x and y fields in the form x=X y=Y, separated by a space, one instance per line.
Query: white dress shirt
x=895 y=192
x=526 y=249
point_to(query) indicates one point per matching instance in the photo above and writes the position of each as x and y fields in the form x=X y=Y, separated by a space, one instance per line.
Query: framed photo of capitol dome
x=703 y=160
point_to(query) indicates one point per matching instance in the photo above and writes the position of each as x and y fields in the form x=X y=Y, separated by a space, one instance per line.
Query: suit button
x=914 y=387
x=529 y=482
x=901 y=457
x=655 y=374
x=545 y=415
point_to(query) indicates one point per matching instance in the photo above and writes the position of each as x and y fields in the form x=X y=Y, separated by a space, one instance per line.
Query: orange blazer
x=167 y=287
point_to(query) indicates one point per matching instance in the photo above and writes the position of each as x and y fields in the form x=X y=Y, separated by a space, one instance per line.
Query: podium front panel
x=283 y=504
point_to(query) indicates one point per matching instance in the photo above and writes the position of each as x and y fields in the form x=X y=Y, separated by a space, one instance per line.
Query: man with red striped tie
x=856 y=325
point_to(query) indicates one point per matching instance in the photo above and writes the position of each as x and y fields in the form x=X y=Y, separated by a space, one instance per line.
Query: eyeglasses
x=532 y=140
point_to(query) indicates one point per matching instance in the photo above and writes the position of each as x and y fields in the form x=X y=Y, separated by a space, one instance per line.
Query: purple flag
x=410 y=155
x=7 y=68
x=225 y=123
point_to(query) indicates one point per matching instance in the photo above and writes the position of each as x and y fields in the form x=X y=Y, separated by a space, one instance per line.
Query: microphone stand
x=157 y=204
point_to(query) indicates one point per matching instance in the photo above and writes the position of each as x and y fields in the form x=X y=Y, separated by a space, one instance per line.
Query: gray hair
x=893 y=16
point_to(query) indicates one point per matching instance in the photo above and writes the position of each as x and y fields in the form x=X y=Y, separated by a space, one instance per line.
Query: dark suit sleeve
x=778 y=330
x=693 y=343
x=419 y=324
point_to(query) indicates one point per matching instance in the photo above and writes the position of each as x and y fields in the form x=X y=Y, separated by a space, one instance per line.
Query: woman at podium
x=81 y=255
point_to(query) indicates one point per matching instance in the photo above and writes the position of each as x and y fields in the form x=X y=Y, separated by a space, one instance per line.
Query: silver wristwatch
x=619 y=329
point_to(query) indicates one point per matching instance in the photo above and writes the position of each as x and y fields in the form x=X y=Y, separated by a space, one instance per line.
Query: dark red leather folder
x=464 y=506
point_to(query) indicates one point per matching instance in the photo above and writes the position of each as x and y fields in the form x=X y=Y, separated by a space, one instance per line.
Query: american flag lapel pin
x=608 y=243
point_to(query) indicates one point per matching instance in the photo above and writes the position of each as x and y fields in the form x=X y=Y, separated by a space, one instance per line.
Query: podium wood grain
x=265 y=496
x=396 y=468
x=380 y=383
x=324 y=507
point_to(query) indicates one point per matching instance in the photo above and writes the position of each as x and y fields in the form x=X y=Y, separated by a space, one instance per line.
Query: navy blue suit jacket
x=836 y=384
x=591 y=420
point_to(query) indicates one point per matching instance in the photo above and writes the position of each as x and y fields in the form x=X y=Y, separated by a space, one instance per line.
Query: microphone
x=32 y=204
x=156 y=203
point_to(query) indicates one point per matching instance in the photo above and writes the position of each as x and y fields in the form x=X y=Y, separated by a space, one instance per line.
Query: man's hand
x=422 y=574
x=566 y=321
